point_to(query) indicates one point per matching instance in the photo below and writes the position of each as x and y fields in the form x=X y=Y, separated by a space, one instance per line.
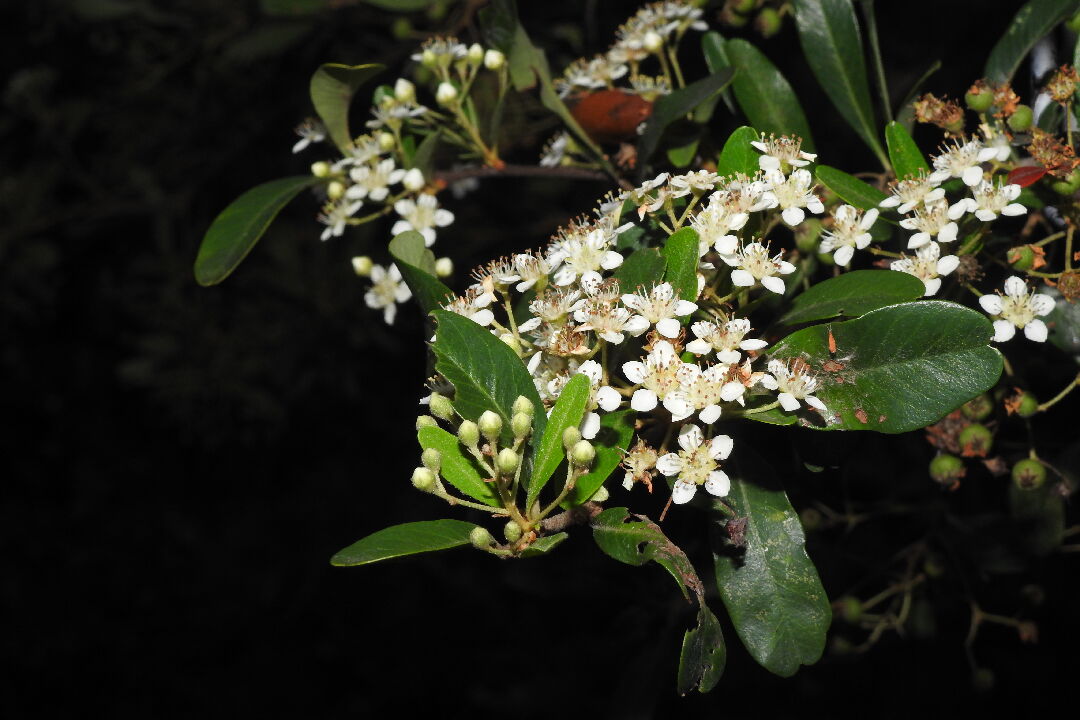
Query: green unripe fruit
x=976 y=439
x=979 y=101
x=523 y=405
x=507 y=461
x=468 y=433
x=426 y=421
x=851 y=609
x=1067 y=186
x=521 y=425
x=583 y=453
x=1028 y=406
x=946 y=469
x=570 y=437
x=432 y=459
x=490 y=424
x=767 y=22
x=512 y=531
x=481 y=538
x=1021 y=257
x=978 y=408
x=1029 y=474
x=441 y=407
x=423 y=479
x=1021 y=119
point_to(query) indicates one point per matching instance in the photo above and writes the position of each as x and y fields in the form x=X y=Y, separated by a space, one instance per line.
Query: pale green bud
x=494 y=60
x=601 y=495
x=386 y=141
x=570 y=437
x=423 y=479
x=512 y=531
x=481 y=538
x=490 y=424
x=335 y=190
x=583 y=453
x=523 y=405
x=320 y=169
x=441 y=407
x=432 y=459
x=652 y=42
x=476 y=54
x=426 y=421
x=404 y=91
x=361 y=265
x=446 y=93
x=468 y=433
x=429 y=59
x=413 y=180
x=521 y=424
x=507 y=461
x=444 y=267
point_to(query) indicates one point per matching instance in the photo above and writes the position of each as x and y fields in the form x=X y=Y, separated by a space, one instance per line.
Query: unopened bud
x=361 y=265
x=490 y=425
x=441 y=407
x=494 y=60
x=426 y=421
x=444 y=267
x=481 y=538
x=601 y=495
x=512 y=531
x=413 y=180
x=1021 y=118
x=583 y=453
x=429 y=59
x=404 y=91
x=446 y=93
x=652 y=42
x=386 y=141
x=423 y=479
x=570 y=437
x=521 y=424
x=475 y=55
x=507 y=461
x=335 y=190
x=432 y=459
x=523 y=405
x=468 y=433
x=320 y=169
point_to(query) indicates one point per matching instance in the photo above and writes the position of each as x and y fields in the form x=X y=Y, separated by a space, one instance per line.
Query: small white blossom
x=961 y=160
x=781 y=151
x=931 y=221
x=657 y=375
x=746 y=195
x=660 y=307
x=753 y=265
x=793 y=194
x=848 y=233
x=335 y=216
x=555 y=150
x=1018 y=308
x=609 y=321
x=530 y=269
x=310 y=131
x=928 y=266
x=699 y=390
x=716 y=225
x=580 y=251
x=795 y=382
x=726 y=339
x=696 y=182
x=373 y=181
x=909 y=193
x=422 y=215
x=386 y=291
x=604 y=397
x=989 y=200
x=471 y=306
x=696 y=464
x=554 y=305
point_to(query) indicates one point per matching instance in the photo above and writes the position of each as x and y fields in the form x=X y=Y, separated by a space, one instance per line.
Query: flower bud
x=947 y=469
x=404 y=91
x=428 y=58
x=444 y=267
x=441 y=407
x=426 y=421
x=335 y=190
x=423 y=479
x=521 y=424
x=601 y=495
x=386 y=141
x=652 y=42
x=523 y=405
x=320 y=169
x=767 y=22
x=975 y=440
x=507 y=461
x=446 y=93
x=583 y=453
x=512 y=531
x=475 y=55
x=490 y=425
x=481 y=538
x=468 y=433
x=1029 y=474
x=361 y=265
x=413 y=180
x=494 y=60
x=978 y=408
x=1021 y=118
x=570 y=437
x=432 y=459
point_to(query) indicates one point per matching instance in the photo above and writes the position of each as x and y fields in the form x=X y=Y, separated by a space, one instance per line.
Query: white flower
x=793 y=194
x=927 y=265
x=660 y=307
x=422 y=215
x=754 y=265
x=780 y=151
x=696 y=464
x=716 y=225
x=658 y=375
x=1018 y=308
x=848 y=232
x=999 y=142
x=932 y=220
x=910 y=192
x=747 y=195
x=530 y=268
x=962 y=160
x=697 y=182
x=554 y=305
x=471 y=306
x=795 y=383
x=310 y=131
x=645 y=199
x=581 y=251
x=726 y=339
x=386 y=291
x=335 y=216
x=605 y=397
x=555 y=150
x=373 y=181
x=609 y=321
x=989 y=200
x=701 y=390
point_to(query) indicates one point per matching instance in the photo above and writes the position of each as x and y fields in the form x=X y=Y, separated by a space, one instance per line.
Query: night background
x=183 y=461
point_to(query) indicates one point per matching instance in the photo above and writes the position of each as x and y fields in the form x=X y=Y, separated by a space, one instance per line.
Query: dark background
x=182 y=461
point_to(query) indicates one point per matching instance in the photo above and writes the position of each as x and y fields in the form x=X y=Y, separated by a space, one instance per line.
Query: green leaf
x=424 y=157
x=549 y=453
x=417 y=266
x=240 y=225
x=1034 y=20
x=703 y=656
x=765 y=95
x=681 y=255
x=669 y=108
x=903 y=367
x=485 y=372
x=544 y=545
x=683 y=155
x=502 y=30
x=830 y=39
x=408 y=539
x=738 y=155
x=850 y=188
x=907 y=159
x=332 y=88
x=642 y=268
x=457 y=468
x=853 y=294
x=716 y=59
x=616 y=430
x=771 y=590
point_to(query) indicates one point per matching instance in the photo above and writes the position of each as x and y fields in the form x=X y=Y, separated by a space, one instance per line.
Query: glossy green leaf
x=716 y=59
x=485 y=372
x=332 y=88
x=1034 y=20
x=457 y=468
x=832 y=45
x=616 y=430
x=548 y=452
x=738 y=155
x=850 y=188
x=240 y=225
x=902 y=367
x=678 y=104
x=544 y=545
x=771 y=589
x=683 y=155
x=407 y=539
x=417 y=266
x=764 y=94
x=907 y=160
x=642 y=268
x=853 y=294
x=703 y=656
x=681 y=256
x=424 y=157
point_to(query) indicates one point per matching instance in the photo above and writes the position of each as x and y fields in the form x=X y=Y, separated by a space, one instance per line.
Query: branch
x=570 y=173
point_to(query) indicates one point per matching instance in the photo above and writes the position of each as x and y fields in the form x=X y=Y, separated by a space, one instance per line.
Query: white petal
x=590 y=425
x=788 y=401
x=684 y=307
x=592 y=370
x=611 y=260
x=534 y=362
x=721 y=447
x=973 y=176
x=632 y=301
x=1015 y=287
x=644 y=400
x=718 y=484
x=771 y=282
x=768 y=162
x=732 y=391
x=1003 y=330
x=991 y=304
x=815 y=403
x=947 y=264
x=634 y=371
x=793 y=216
x=932 y=286
x=948 y=232
x=637 y=325
x=608 y=398
x=677 y=404
x=668 y=327
x=742 y=278
x=709 y=414
x=843 y=255
x=918 y=240
x=1041 y=304
x=529 y=325
x=690 y=437
x=613 y=337
x=891 y=201
x=957 y=209
x=1036 y=330
x=784 y=267
x=483 y=317
x=726 y=245
x=986 y=215
x=699 y=347
x=683 y=492
x=1014 y=209
x=670 y=464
